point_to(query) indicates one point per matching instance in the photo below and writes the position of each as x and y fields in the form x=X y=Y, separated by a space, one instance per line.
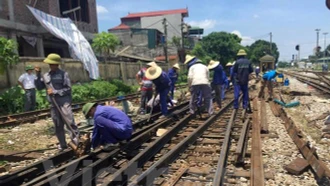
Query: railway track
x=182 y=143
x=32 y=116
x=318 y=83
x=59 y=166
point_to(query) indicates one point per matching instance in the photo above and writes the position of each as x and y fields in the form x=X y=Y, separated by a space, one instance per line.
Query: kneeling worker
x=111 y=125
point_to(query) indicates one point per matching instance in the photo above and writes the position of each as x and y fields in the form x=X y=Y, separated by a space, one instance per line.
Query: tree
x=200 y=53
x=221 y=46
x=8 y=55
x=105 y=43
x=261 y=48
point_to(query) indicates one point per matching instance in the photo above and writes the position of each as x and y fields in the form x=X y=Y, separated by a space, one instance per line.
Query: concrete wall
x=111 y=70
x=173 y=19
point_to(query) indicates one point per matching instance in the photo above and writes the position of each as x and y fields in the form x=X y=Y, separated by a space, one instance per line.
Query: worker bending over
x=198 y=82
x=173 y=74
x=111 y=125
x=267 y=81
x=58 y=86
x=162 y=83
x=217 y=82
x=241 y=71
x=145 y=87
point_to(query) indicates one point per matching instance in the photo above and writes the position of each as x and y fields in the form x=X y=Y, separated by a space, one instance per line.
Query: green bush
x=12 y=100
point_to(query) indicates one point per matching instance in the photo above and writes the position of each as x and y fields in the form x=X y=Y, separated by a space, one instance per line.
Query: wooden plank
x=257 y=169
x=177 y=175
x=297 y=166
x=263 y=116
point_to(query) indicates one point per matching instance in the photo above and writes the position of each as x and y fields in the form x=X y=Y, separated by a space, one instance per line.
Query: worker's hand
x=141 y=83
x=37 y=69
x=50 y=91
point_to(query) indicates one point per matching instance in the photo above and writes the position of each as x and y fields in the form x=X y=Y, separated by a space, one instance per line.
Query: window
x=82 y=14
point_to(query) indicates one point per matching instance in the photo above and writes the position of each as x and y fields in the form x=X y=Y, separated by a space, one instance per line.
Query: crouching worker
x=111 y=125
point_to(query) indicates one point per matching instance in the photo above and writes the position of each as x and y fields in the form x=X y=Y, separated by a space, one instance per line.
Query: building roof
x=162 y=58
x=184 y=12
x=196 y=31
x=267 y=59
x=122 y=26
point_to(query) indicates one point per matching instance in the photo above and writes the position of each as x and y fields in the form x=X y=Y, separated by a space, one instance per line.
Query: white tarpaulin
x=65 y=29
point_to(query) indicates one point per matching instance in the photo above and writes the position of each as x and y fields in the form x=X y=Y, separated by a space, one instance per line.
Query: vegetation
x=224 y=46
x=12 y=100
x=8 y=55
x=261 y=48
x=105 y=43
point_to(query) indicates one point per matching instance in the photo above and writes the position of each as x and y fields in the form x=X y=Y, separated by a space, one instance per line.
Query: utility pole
x=165 y=41
x=317 y=39
x=325 y=45
x=270 y=46
x=182 y=34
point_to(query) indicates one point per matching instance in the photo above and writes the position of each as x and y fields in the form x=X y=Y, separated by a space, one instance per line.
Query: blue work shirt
x=269 y=75
x=163 y=82
x=218 y=75
x=110 y=125
x=173 y=75
x=232 y=75
x=242 y=70
x=224 y=77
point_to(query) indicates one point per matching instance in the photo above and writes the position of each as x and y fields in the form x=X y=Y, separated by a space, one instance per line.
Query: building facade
x=18 y=23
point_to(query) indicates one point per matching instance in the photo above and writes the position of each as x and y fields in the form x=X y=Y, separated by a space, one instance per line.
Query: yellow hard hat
x=53 y=59
x=241 y=52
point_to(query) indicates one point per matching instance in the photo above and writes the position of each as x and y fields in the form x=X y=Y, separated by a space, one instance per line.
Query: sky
x=291 y=22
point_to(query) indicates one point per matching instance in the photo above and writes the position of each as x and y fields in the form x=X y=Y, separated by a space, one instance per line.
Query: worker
x=58 y=86
x=26 y=81
x=162 y=83
x=156 y=104
x=225 y=85
x=257 y=71
x=146 y=86
x=267 y=81
x=111 y=125
x=241 y=71
x=173 y=74
x=217 y=81
x=286 y=82
x=198 y=82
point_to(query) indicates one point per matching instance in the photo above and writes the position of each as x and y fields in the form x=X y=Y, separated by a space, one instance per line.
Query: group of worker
x=112 y=125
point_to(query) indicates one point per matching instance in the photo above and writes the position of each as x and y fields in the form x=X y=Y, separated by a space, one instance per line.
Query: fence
x=125 y=71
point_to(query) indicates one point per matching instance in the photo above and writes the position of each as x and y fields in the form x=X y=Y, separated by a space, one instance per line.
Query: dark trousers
x=30 y=100
x=245 y=91
x=217 y=89
x=59 y=123
x=145 y=97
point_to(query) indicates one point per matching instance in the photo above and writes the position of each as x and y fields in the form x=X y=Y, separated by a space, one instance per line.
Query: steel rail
x=17 y=119
x=138 y=160
x=36 y=169
x=64 y=177
x=159 y=167
x=219 y=175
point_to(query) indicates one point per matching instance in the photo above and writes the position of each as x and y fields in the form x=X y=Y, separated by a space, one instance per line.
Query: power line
x=174 y=27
